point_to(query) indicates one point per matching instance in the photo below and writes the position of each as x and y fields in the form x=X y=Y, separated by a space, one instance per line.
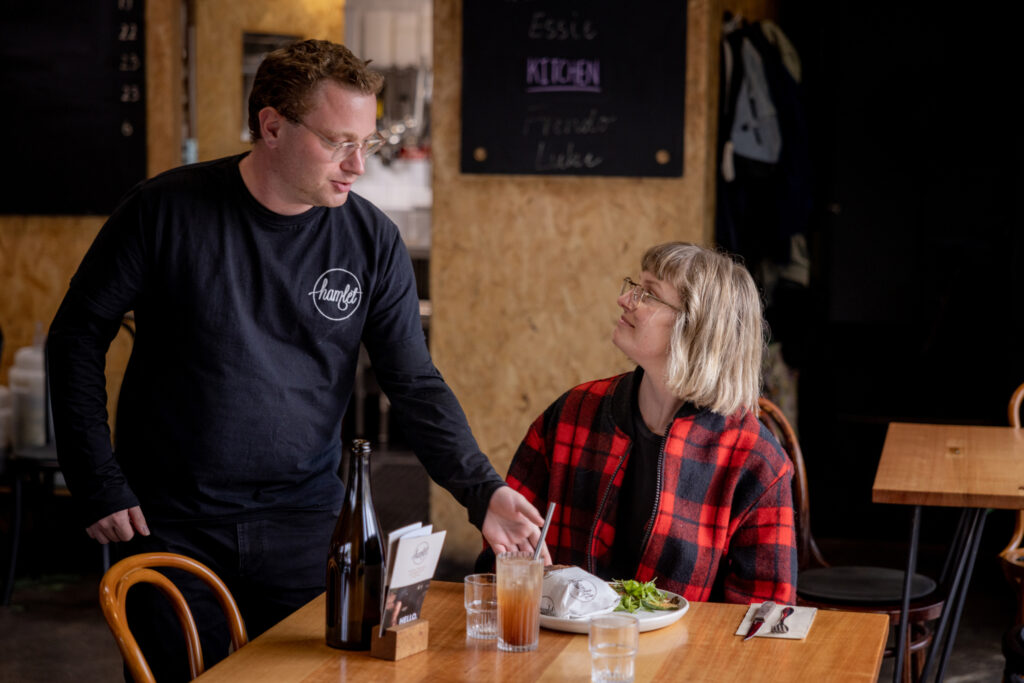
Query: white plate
x=649 y=621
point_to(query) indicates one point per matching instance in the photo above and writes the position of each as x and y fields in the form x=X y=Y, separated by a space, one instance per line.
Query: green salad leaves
x=642 y=595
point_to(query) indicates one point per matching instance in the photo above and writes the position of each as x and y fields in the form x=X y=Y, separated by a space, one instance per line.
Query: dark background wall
x=916 y=238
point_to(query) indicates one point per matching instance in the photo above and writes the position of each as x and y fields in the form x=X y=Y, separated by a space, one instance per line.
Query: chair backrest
x=1013 y=410
x=773 y=418
x=1013 y=415
x=139 y=569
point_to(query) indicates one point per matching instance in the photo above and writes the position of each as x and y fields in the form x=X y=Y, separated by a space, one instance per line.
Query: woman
x=666 y=473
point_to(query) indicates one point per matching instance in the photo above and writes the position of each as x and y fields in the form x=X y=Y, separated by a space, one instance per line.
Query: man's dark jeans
x=272 y=566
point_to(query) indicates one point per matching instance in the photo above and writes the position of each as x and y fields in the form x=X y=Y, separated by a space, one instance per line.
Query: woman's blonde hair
x=718 y=340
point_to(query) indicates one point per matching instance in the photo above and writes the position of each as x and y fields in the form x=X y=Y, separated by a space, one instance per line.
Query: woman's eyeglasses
x=638 y=295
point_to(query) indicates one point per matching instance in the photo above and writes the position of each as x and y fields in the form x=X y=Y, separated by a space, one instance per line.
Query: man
x=253 y=280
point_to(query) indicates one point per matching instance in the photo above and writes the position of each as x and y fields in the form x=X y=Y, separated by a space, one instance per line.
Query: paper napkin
x=572 y=593
x=799 y=622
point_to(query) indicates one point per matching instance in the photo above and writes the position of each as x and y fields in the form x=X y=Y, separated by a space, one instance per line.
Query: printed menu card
x=412 y=555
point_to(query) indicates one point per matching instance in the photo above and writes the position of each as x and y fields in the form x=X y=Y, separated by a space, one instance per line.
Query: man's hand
x=512 y=523
x=120 y=526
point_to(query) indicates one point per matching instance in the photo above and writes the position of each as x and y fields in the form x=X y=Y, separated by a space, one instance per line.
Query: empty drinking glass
x=614 y=640
x=481 y=598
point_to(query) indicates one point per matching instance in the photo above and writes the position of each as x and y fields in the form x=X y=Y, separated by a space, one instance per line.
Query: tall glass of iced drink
x=519 y=585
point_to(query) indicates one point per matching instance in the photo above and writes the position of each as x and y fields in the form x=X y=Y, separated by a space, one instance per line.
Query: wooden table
x=841 y=646
x=964 y=466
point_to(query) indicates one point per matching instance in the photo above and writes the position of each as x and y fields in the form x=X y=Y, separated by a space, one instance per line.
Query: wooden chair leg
x=1020 y=601
x=919 y=660
x=908 y=665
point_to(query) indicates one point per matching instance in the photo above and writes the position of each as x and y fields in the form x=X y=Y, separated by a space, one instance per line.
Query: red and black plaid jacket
x=723 y=524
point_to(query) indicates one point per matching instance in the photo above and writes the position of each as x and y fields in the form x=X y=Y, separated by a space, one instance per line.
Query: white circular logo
x=421 y=552
x=337 y=294
x=583 y=590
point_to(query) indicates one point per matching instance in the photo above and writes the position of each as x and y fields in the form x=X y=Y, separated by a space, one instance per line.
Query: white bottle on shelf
x=27 y=379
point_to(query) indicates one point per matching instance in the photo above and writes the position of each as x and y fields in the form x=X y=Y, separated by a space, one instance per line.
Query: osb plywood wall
x=219 y=28
x=525 y=270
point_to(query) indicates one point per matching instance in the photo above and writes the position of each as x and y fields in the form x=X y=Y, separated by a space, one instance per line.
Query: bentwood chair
x=140 y=569
x=853 y=588
x=1012 y=556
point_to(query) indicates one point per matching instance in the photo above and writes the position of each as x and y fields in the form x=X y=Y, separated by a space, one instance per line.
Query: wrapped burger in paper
x=571 y=593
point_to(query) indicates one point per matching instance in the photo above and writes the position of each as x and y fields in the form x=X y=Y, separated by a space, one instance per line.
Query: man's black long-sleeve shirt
x=248 y=325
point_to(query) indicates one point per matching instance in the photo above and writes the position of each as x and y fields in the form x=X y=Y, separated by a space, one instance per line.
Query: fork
x=780 y=625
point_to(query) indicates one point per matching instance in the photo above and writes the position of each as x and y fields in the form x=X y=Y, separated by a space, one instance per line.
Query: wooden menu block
x=400 y=641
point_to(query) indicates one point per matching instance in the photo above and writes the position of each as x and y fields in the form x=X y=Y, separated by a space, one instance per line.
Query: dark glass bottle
x=355 y=562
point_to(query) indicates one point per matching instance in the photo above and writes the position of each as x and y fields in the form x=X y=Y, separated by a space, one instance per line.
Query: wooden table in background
x=841 y=646
x=965 y=466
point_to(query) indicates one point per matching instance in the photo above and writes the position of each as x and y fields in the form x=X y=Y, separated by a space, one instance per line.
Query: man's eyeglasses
x=343 y=150
x=638 y=295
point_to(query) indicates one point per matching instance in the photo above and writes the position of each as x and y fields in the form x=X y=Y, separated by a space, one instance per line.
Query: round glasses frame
x=638 y=295
x=343 y=150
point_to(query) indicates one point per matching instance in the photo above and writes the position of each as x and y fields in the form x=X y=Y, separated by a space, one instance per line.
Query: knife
x=759 y=616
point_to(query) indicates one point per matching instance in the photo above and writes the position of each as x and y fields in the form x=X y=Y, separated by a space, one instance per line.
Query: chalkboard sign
x=73 y=76
x=573 y=87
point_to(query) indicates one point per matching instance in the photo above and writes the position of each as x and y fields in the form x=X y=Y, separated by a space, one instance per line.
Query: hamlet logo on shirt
x=337 y=294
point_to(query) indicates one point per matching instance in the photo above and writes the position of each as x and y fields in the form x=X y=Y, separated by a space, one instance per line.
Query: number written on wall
x=129 y=37
x=129 y=32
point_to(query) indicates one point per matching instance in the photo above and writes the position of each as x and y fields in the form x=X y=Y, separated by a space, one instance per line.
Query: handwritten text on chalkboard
x=573 y=87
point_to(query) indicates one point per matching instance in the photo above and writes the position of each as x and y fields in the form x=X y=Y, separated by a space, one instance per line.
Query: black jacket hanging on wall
x=764 y=193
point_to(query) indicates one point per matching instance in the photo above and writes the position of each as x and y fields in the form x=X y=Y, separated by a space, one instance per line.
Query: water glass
x=519 y=588
x=481 y=598
x=614 y=640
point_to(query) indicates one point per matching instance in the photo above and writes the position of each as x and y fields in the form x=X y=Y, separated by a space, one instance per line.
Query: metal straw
x=544 y=529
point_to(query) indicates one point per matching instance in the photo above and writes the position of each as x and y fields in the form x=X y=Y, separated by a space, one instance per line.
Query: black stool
x=37 y=467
